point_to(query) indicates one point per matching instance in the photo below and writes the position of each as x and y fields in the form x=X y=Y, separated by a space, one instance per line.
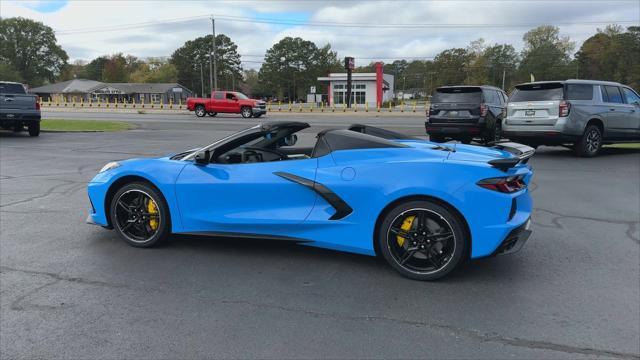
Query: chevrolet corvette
x=425 y=207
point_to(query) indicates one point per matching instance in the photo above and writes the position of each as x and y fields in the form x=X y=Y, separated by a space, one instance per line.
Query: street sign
x=312 y=90
x=349 y=63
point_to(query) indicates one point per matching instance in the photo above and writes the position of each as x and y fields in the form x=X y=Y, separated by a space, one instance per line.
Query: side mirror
x=203 y=157
x=290 y=140
x=636 y=103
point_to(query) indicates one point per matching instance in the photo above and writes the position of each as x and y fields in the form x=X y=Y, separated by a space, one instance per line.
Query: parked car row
x=581 y=114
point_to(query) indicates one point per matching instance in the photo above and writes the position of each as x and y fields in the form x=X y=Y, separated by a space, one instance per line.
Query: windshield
x=240 y=96
x=9 y=88
x=537 y=92
x=458 y=95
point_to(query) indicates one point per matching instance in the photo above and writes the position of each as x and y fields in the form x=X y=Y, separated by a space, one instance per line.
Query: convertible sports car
x=423 y=206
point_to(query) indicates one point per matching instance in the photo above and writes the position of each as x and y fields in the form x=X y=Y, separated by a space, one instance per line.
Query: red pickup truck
x=227 y=102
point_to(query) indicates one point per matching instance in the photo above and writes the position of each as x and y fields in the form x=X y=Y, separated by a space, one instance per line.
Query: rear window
x=537 y=92
x=457 y=95
x=9 y=88
x=579 y=92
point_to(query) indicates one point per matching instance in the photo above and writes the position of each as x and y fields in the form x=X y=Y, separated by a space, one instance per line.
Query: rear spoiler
x=522 y=154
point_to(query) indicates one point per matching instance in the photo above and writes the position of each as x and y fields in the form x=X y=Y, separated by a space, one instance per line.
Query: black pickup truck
x=18 y=109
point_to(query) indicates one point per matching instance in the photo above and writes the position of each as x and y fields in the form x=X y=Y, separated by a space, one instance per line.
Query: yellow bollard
x=289 y=106
x=269 y=106
x=414 y=106
x=344 y=107
x=389 y=106
x=355 y=107
x=366 y=107
x=300 y=106
x=133 y=103
x=322 y=106
x=170 y=103
x=401 y=106
x=279 y=105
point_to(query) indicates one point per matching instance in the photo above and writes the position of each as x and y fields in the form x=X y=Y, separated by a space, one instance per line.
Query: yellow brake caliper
x=406 y=226
x=153 y=210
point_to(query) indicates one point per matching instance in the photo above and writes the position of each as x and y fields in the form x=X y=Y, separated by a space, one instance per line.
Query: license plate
x=529 y=113
x=452 y=113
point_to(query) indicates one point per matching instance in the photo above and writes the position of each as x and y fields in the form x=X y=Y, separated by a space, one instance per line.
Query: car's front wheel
x=422 y=240
x=246 y=112
x=200 y=111
x=590 y=143
x=140 y=215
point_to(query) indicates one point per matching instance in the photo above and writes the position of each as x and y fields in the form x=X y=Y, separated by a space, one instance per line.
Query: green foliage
x=9 y=73
x=292 y=65
x=194 y=54
x=546 y=54
x=30 y=48
x=611 y=54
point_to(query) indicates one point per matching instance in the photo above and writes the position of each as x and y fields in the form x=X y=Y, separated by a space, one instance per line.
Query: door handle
x=8 y=99
x=612 y=109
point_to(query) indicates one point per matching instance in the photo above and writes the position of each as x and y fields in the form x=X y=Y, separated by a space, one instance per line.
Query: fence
x=411 y=106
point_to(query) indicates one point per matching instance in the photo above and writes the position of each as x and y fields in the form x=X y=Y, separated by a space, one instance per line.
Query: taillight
x=37 y=102
x=564 y=109
x=504 y=184
x=483 y=109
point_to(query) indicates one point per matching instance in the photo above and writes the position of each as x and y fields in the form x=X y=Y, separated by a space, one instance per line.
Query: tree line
x=29 y=53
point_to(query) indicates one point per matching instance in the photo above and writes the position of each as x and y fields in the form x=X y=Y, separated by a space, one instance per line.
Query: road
x=71 y=290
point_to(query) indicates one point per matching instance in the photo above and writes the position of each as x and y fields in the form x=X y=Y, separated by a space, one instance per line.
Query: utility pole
x=201 y=80
x=504 y=72
x=213 y=73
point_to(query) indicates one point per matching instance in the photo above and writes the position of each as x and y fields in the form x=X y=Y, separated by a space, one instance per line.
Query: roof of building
x=87 y=86
x=69 y=86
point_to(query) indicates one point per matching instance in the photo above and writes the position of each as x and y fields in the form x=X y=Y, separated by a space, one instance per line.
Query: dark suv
x=466 y=112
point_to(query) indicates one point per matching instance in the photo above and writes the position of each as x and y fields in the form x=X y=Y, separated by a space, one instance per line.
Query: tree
x=611 y=54
x=31 y=48
x=93 y=70
x=72 y=71
x=116 y=69
x=154 y=71
x=9 y=73
x=194 y=54
x=546 y=54
x=451 y=67
x=292 y=65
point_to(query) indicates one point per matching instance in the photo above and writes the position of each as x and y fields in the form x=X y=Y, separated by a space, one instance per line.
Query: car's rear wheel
x=590 y=143
x=246 y=112
x=140 y=215
x=200 y=111
x=34 y=129
x=212 y=113
x=422 y=240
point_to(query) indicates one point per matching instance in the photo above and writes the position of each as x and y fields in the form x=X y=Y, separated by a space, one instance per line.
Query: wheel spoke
x=400 y=232
x=124 y=206
x=128 y=225
x=408 y=255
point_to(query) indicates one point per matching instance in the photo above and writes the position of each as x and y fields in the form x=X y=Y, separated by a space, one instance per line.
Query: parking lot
x=71 y=290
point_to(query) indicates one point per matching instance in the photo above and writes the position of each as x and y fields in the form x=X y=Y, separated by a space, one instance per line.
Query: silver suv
x=582 y=113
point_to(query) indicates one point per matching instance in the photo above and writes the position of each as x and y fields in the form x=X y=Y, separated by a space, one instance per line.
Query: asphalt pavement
x=72 y=290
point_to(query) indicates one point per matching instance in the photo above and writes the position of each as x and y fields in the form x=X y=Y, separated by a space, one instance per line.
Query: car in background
x=583 y=114
x=465 y=112
x=230 y=102
x=19 y=109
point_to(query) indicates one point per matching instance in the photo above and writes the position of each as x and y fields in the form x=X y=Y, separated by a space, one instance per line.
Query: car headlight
x=109 y=166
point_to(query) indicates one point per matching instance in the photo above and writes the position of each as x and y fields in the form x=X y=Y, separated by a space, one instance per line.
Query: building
x=89 y=90
x=366 y=88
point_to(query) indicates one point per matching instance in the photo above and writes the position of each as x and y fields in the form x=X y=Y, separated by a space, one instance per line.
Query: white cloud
x=162 y=39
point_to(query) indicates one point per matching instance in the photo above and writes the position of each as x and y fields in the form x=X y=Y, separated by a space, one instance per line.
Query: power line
x=275 y=21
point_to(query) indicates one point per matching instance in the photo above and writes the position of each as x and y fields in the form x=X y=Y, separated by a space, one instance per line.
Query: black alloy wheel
x=212 y=113
x=139 y=215
x=246 y=112
x=590 y=143
x=422 y=240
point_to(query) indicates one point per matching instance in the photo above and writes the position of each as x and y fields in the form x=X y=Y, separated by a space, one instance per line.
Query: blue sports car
x=425 y=207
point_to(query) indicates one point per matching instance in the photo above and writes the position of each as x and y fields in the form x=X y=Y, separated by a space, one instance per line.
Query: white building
x=370 y=88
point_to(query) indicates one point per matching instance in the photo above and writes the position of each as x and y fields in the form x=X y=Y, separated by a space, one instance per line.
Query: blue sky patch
x=45 y=6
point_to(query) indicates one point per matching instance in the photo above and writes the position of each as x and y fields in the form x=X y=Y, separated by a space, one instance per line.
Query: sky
x=377 y=30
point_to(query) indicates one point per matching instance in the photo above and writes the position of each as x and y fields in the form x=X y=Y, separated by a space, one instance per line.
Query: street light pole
x=201 y=80
x=213 y=73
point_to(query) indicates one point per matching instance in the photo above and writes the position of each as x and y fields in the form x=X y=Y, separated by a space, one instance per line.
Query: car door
x=633 y=101
x=218 y=102
x=616 y=122
x=248 y=198
x=232 y=103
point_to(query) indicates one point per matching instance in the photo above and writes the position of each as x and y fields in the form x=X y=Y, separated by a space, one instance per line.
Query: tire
x=257 y=115
x=590 y=143
x=141 y=233
x=465 y=141
x=212 y=114
x=200 y=111
x=246 y=112
x=495 y=133
x=34 y=129
x=436 y=138
x=416 y=257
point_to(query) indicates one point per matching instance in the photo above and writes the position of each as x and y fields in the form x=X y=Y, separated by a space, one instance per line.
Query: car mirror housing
x=203 y=157
x=290 y=140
